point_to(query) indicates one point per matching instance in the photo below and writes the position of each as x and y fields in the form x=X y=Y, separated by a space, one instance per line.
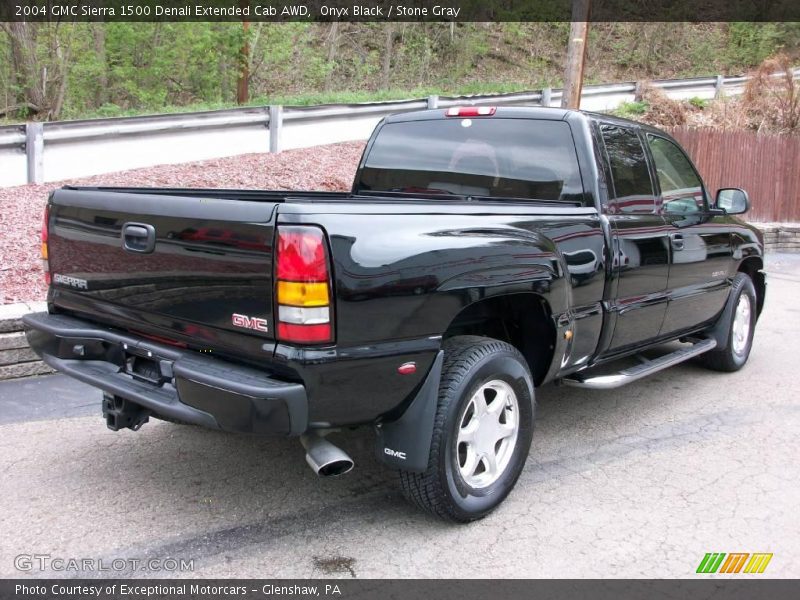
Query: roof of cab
x=523 y=112
x=508 y=112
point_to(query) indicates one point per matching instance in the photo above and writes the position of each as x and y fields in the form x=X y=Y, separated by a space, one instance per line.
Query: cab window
x=681 y=186
x=630 y=176
x=486 y=156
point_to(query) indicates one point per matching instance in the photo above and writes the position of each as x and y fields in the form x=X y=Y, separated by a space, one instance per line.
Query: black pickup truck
x=482 y=252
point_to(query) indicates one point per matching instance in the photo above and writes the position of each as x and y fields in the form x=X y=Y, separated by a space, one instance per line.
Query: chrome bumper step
x=648 y=367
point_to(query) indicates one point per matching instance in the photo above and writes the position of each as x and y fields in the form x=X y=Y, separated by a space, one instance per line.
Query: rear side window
x=633 y=190
x=681 y=187
x=495 y=157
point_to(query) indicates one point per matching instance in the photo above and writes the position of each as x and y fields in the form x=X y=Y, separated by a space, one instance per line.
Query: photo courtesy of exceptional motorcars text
x=399 y=299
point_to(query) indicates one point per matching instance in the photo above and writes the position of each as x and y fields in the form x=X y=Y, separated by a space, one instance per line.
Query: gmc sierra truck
x=481 y=252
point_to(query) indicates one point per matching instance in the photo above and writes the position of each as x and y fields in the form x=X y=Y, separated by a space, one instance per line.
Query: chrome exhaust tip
x=325 y=459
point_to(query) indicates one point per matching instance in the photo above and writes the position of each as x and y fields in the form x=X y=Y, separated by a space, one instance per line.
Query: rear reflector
x=408 y=368
x=302 y=286
x=470 y=111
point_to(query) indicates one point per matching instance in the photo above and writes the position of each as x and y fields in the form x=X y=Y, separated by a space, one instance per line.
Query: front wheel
x=740 y=329
x=482 y=431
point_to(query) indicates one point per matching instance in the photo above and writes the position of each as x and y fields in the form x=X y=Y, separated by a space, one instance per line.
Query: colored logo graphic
x=735 y=562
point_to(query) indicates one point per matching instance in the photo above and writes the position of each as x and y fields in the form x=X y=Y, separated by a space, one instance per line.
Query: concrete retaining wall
x=781 y=237
x=16 y=358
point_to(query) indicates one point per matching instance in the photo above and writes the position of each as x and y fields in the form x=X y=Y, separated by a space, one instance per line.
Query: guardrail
x=39 y=152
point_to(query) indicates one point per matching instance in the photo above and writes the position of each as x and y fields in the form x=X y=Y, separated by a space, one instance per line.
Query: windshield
x=509 y=158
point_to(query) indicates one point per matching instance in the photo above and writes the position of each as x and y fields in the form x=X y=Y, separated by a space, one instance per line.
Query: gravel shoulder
x=330 y=168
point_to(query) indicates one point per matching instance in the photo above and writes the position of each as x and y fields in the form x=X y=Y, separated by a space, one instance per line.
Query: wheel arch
x=523 y=319
x=753 y=267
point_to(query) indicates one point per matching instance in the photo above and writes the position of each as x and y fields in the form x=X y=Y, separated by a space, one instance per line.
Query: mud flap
x=721 y=329
x=406 y=442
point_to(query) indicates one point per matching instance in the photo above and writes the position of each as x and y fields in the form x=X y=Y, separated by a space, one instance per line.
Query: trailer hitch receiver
x=120 y=413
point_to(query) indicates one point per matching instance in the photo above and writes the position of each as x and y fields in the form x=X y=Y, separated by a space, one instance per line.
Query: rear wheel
x=740 y=330
x=482 y=432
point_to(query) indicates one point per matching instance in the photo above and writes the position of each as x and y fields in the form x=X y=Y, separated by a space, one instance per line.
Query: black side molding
x=406 y=442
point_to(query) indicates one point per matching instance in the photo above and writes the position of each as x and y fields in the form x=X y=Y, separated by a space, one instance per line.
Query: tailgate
x=196 y=266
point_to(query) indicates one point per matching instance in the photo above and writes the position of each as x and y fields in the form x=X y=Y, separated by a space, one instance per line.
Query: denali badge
x=81 y=284
x=395 y=453
x=256 y=323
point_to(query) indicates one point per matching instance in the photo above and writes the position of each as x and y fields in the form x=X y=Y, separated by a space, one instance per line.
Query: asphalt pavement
x=642 y=481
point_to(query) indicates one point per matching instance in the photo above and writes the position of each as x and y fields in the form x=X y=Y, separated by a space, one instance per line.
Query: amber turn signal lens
x=295 y=293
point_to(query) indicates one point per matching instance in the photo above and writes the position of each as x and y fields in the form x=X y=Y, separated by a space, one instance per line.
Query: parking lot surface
x=636 y=482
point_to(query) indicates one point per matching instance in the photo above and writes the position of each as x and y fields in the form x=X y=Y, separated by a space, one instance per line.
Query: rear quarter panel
x=403 y=272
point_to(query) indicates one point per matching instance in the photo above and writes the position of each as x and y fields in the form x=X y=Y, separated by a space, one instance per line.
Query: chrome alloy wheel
x=487 y=433
x=741 y=325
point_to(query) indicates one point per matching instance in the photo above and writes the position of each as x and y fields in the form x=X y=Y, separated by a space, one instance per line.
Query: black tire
x=469 y=363
x=727 y=359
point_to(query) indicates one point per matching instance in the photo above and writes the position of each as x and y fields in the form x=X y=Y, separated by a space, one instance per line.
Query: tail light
x=303 y=286
x=45 y=254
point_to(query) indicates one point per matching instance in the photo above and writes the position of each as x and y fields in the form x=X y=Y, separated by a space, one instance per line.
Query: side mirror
x=733 y=200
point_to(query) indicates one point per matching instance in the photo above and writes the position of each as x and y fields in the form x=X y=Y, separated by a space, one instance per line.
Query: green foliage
x=751 y=43
x=128 y=68
x=8 y=91
x=700 y=103
x=418 y=47
x=631 y=110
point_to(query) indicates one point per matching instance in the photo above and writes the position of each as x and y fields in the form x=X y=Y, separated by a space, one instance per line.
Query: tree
x=386 y=67
x=242 y=87
x=333 y=49
x=99 y=38
x=41 y=59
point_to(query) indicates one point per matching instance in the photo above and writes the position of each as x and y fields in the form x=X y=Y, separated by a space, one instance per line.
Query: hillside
x=91 y=69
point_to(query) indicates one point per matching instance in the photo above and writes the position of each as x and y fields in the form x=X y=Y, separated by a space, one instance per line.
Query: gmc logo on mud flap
x=256 y=323
x=395 y=453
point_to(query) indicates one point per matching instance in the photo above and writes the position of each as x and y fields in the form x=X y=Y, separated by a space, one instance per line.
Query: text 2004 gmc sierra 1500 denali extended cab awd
x=482 y=252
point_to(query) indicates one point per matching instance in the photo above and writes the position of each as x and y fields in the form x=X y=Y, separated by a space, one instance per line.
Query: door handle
x=138 y=237
x=676 y=239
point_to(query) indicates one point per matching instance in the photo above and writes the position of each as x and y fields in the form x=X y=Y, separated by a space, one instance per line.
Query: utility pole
x=242 y=88
x=576 y=54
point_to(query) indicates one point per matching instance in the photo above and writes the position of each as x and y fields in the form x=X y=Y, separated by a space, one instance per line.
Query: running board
x=648 y=367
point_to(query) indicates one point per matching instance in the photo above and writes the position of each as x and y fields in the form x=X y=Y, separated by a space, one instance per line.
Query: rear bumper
x=187 y=386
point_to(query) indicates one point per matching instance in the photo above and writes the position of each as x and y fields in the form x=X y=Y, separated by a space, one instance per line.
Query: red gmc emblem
x=256 y=323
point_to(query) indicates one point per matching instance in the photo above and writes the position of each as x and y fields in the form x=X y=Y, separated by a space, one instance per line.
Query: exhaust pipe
x=325 y=459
